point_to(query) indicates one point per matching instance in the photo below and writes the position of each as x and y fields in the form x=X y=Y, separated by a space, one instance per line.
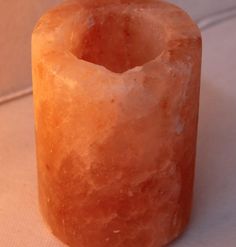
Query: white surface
x=214 y=217
x=202 y=8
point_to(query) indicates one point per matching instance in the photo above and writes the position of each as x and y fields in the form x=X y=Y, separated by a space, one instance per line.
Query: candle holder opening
x=120 y=39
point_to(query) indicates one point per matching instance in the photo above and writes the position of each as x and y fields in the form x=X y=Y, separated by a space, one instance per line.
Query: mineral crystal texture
x=116 y=91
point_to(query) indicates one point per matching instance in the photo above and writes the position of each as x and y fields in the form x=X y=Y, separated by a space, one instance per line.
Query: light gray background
x=202 y=8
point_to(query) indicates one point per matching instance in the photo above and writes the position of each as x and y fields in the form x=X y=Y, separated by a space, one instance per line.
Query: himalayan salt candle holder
x=116 y=91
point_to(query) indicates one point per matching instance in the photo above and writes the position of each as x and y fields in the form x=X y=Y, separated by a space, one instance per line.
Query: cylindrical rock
x=116 y=92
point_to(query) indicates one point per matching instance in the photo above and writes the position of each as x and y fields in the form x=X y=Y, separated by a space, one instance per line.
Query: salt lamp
x=116 y=95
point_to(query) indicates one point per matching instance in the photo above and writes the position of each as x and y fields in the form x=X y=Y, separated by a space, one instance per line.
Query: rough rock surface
x=116 y=88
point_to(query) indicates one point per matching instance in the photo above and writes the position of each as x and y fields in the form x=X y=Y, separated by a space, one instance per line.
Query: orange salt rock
x=116 y=91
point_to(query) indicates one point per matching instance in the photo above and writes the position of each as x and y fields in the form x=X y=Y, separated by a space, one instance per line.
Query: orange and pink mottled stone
x=116 y=91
